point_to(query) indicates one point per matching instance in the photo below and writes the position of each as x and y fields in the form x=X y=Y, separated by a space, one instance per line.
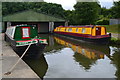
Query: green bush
x=102 y=22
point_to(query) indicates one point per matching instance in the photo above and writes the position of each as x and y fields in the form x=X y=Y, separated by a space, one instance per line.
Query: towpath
x=9 y=58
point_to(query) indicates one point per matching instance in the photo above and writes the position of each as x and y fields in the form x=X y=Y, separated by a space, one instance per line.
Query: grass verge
x=113 y=28
x=115 y=41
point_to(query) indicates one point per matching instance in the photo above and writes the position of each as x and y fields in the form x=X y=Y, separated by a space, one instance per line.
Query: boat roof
x=86 y=26
x=22 y=25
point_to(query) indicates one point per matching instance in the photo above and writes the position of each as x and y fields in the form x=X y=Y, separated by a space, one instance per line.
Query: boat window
x=59 y=29
x=83 y=51
x=10 y=31
x=25 y=32
x=70 y=30
x=65 y=29
x=83 y=30
x=13 y=32
x=77 y=30
x=97 y=28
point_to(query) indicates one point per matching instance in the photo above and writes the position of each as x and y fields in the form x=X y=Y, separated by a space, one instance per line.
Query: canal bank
x=9 y=58
x=115 y=39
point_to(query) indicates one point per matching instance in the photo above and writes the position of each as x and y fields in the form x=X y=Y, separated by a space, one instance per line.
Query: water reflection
x=115 y=57
x=68 y=58
x=52 y=46
x=94 y=59
x=81 y=49
x=85 y=54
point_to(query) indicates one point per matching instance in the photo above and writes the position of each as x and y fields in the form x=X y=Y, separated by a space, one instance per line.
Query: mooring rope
x=9 y=72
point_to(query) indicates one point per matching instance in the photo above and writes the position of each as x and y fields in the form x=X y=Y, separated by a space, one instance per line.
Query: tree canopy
x=86 y=12
x=83 y=13
x=116 y=10
x=42 y=7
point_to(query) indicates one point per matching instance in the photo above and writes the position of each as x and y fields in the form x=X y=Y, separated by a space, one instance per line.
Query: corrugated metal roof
x=30 y=16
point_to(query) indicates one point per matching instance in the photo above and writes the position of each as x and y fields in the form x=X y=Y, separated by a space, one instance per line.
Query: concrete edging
x=9 y=58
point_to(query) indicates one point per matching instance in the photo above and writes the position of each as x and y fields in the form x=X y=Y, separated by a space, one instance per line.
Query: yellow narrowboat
x=91 y=33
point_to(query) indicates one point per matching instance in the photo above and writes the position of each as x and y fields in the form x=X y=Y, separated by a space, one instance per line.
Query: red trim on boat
x=30 y=40
x=83 y=35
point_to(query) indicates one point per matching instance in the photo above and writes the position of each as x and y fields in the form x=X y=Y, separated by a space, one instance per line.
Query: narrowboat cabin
x=94 y=34
x=20 y=36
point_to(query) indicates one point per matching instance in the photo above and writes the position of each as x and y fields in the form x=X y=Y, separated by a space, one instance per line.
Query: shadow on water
x=53 y=60
x=38 y=65
x=36 y=60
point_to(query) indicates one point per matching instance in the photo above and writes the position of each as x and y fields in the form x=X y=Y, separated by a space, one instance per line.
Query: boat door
x=25 y=32
x=98 y=31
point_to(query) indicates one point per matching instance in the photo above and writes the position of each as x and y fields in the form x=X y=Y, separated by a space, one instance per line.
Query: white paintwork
x=11 y=31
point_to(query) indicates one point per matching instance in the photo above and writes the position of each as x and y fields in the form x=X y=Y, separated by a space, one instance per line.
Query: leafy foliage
x=47 y=8
x=102 y=22
x=116 y=10
x=106 y=12
x=86 y=12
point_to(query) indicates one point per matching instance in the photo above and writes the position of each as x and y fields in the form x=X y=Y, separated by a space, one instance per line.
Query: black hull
x=34 y=48
x=100 y=41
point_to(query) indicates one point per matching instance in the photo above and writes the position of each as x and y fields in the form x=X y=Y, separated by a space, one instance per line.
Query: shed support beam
x=66 y=23
x=51 y=27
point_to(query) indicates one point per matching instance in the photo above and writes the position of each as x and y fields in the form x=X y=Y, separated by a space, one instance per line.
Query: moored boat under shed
x=20 y=36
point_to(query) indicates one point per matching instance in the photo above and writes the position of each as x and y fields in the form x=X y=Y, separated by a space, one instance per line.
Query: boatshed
x=45 y=23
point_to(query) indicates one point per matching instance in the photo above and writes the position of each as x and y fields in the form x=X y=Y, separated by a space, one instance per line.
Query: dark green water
x=67 y=58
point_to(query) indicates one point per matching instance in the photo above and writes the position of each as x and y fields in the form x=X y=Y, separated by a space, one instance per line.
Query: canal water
x=67 y=58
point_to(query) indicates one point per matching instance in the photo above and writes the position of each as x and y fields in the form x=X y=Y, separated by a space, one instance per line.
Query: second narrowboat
x=20 y=36
x=91 y=33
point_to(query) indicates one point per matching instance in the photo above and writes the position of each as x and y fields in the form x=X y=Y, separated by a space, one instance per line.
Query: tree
x=105 y=12
x=70 y=16
x=116 y=10
x=52 y=9
x=13 y=7
x=42 y=7
x=86 y=12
